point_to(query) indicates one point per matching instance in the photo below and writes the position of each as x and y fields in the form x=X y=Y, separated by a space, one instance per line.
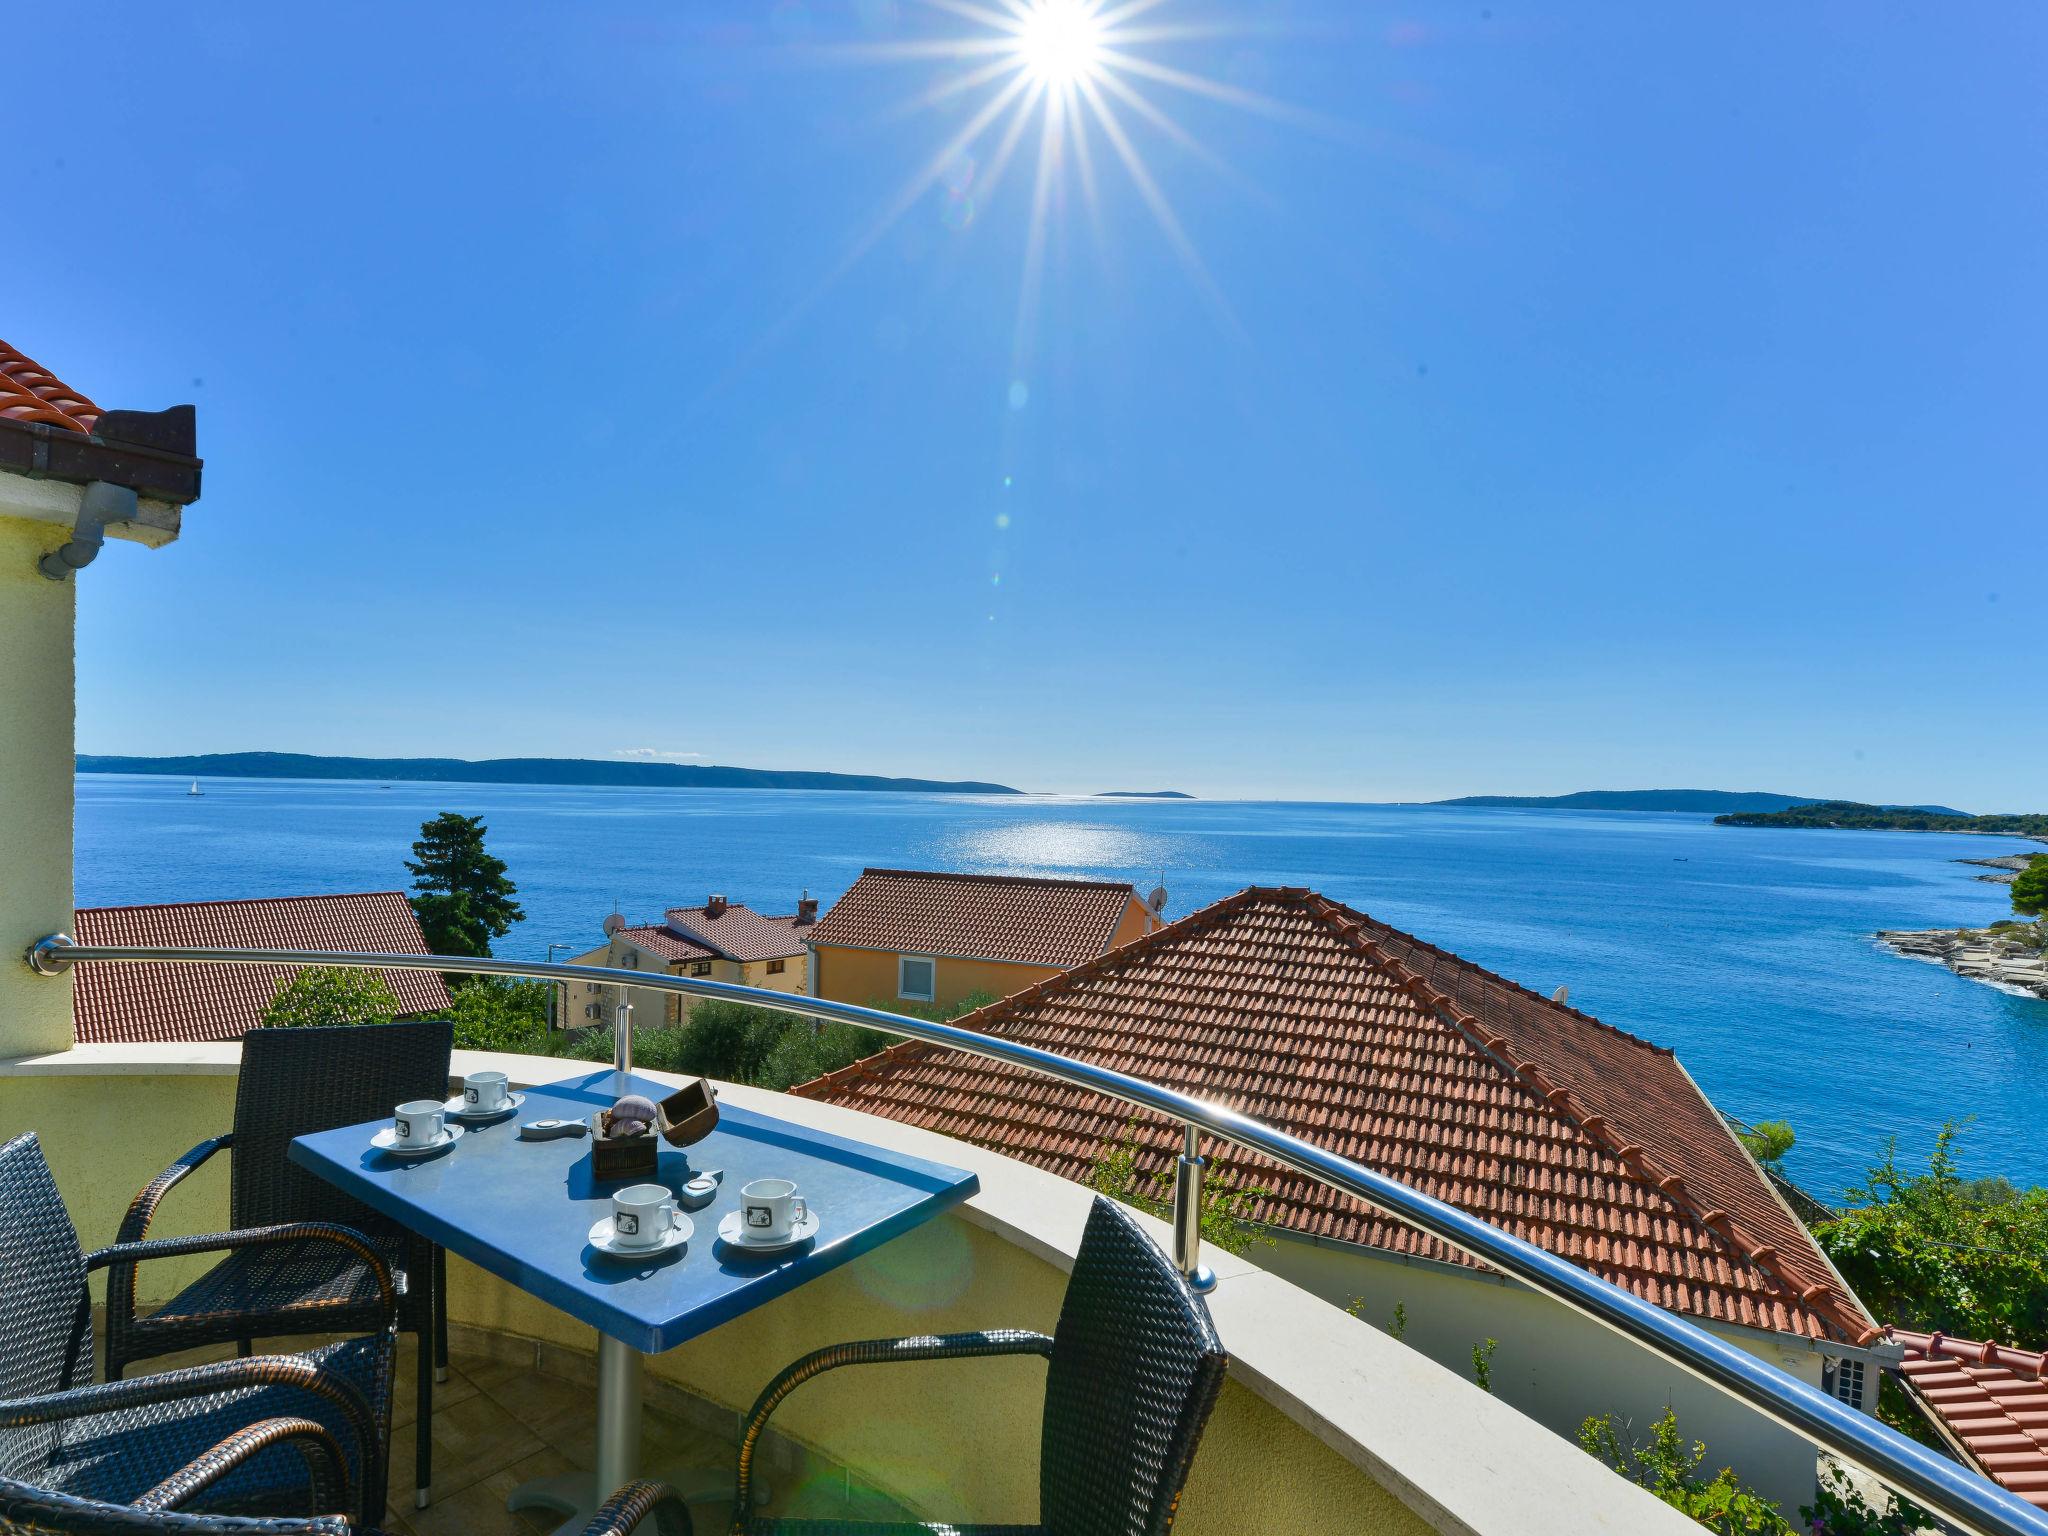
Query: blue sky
x=1597 y=396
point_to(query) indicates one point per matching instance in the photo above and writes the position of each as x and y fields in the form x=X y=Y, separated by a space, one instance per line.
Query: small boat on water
x=194 y=790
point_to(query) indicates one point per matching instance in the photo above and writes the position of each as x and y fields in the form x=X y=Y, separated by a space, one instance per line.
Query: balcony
x=1324 y=1423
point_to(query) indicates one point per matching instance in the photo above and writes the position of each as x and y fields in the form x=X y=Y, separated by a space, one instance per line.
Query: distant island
x=1141 y=794
x=520 y=770
x=1658 y=800
x=1849 y=814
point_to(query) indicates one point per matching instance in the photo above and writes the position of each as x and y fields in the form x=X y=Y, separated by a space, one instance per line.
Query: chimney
x=806 y=910
x=715 y=907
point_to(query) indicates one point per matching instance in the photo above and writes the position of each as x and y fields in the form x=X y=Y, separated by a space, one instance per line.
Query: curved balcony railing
x=1955 y=1494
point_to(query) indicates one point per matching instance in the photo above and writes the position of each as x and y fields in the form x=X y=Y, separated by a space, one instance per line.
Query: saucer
x=386 y=1141
x=456 y=1109
x=731 y=1233
x=604 y=1242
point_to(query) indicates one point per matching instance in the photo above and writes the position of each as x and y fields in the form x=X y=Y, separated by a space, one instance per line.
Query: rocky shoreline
x=2013 y=958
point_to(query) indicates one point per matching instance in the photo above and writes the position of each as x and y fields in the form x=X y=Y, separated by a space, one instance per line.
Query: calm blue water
x=1745 y=949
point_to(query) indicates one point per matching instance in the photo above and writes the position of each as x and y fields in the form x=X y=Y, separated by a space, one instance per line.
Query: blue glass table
x=523 y=1210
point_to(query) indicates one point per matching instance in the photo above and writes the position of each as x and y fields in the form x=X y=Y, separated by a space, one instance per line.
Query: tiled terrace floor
x=509 y=1412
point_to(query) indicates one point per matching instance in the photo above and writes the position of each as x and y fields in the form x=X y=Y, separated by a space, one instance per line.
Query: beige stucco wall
x=36 y=766
x=1558 y=1367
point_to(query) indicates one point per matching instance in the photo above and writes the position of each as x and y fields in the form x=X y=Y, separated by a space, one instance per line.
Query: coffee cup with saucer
x=417 y=1128
x=772 y=1216
x=484 y=1096
x=644 y=1221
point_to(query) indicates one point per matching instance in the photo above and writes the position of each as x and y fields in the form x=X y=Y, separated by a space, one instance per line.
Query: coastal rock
x=2013 y=958
x=2008 y=867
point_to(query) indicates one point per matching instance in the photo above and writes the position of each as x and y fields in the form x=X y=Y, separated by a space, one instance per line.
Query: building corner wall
x=37 y=764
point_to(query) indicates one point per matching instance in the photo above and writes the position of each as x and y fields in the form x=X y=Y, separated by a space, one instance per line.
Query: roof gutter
x=153 y=453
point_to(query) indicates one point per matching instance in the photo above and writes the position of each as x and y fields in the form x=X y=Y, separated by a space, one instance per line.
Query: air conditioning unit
x=594 y=1011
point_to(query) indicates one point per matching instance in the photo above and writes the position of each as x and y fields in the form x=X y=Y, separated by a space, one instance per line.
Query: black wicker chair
x=1133 y=1370
x=26 y=1511
x=294 y=1081
x=271 y=1435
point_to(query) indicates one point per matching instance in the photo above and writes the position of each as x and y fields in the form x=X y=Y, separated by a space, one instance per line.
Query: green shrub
x=326 y=995
x=1668 y=1468
x=492 y=1013
x=1932 y=1249
x=1115 y=1173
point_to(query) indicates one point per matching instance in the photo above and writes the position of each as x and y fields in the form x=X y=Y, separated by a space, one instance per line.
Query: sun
x=1060 y=41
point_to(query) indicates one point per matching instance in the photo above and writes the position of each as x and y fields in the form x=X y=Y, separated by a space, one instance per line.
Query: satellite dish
x=614 y=923
x=1157 y=900
x=1560 y=994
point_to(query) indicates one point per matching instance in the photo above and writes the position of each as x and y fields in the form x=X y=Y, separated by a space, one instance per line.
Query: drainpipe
x=103 y=503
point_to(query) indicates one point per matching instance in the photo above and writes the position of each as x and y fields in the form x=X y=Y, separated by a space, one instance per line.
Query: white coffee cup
x=770 y=1209
x=417 y=1123
x=485 y=1090
x=642 y=1215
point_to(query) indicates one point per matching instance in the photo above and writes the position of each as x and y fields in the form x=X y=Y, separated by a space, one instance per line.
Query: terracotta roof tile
x=657 y=940
x=152 y=1002
x=739 y=932
x=1320 y=1021
x=1023 y=919
x=1992 y=1400
x=30 y=392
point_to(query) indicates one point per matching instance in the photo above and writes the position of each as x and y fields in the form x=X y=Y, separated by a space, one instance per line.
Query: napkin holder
x=684 y=1117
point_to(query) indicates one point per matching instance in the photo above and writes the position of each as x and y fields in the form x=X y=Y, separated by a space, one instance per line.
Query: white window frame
x=902 y=985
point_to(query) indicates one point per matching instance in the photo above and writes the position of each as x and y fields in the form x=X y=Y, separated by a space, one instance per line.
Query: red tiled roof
x=30 y=392
x=141 y=1002
x=1992 y=1400
x=740 y=933
x=1314 y=1018
x=990 y=917
x=657 y=940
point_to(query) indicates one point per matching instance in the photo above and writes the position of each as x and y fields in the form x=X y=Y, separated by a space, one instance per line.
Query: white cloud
x=655 y=754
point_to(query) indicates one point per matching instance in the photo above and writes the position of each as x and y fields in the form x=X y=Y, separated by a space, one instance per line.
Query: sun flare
x=1060 y=41
x=1089 y=82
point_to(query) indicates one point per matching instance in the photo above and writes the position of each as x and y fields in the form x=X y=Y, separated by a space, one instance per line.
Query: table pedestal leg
x=577 y=1495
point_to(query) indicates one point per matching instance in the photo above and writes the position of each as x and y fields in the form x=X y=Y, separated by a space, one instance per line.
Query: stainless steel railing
x=1965 y=1500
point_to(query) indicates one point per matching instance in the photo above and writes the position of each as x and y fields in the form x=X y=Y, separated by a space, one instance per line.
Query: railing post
x=622 y=1037
x=1187 y=1214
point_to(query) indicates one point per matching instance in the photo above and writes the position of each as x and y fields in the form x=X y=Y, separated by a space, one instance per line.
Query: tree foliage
x=1768 y=1141
x=1931 y=1249
x=461 y=894
x=322 y=994
x=2030 y=888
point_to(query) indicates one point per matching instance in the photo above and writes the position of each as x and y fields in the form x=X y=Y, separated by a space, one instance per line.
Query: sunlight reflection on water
x=1043 y=847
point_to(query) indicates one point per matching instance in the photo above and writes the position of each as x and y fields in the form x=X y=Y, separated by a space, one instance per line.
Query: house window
x=1847 y=1384
x=916 y=978
x=776 y=967
x=700 y=968
x=632 y=959
x=675 y=1009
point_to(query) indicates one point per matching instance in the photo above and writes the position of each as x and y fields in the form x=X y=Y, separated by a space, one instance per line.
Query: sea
x=1747 y=950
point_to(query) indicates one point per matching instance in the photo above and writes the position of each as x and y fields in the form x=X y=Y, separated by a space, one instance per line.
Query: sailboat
x=195 y=789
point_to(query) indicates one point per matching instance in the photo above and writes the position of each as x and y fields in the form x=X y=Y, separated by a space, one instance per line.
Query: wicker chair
x=271 y=1435
x=26 y=1511
x=294 y=1081
x=1133 y=1369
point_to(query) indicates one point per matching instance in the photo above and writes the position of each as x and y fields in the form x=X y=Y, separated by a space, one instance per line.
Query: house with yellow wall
x=933 y=938
x=719 y=941
x=72 y=476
